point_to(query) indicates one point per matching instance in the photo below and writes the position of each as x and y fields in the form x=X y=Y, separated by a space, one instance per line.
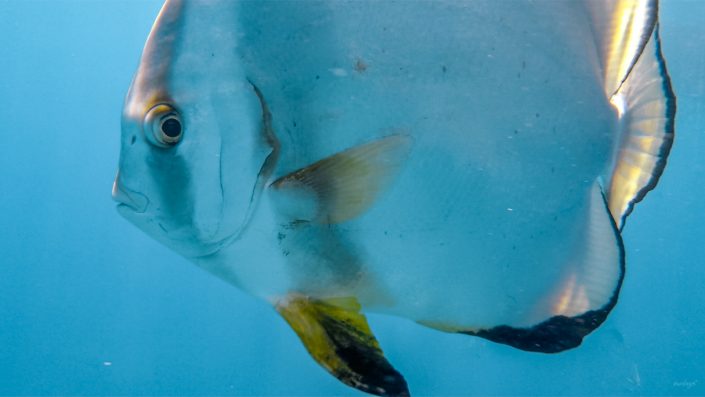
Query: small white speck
x=107 y=363
x=510 y=209
x=340 y=72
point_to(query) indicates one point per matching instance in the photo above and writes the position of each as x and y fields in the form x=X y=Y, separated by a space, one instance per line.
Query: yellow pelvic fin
x=338 y=337
x=344 y=185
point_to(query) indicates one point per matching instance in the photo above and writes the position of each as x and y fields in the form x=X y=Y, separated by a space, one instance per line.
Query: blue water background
x=90 y=305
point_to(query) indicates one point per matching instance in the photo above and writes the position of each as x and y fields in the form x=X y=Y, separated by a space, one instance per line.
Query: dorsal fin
x=647 y=107
x=622 y=29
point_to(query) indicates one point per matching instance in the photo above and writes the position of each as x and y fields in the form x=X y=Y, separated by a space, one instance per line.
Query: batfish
x=465 y=165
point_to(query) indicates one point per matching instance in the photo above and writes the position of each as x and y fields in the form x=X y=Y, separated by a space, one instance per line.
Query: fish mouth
x=129 y=200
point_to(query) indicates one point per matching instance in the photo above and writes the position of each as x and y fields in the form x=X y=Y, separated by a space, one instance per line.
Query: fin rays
x=338 y=337
x=586 y=299
x=345 y=184
x=648 y=131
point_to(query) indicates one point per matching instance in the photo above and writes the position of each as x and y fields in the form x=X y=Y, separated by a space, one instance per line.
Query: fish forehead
x=188 y=57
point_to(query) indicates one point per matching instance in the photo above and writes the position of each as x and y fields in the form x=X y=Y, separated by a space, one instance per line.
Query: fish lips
x=129 y=201
x=133 y=207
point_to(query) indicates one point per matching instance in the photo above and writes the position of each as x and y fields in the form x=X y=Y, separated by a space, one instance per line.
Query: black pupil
x=171 y=127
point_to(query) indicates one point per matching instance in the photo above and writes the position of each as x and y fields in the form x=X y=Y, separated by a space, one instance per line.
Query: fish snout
x=127 y=198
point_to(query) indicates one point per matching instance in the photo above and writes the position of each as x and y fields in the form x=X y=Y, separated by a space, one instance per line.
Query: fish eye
x=163 y=126
x=171 y=127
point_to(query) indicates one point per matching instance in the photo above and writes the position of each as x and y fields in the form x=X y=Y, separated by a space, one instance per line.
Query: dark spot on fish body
x=132 y=141
x=281 y=236
x=318 y=77
x=444 y=69
x=360 y=66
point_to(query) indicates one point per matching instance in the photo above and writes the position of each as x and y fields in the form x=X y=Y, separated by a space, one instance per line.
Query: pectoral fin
x=344 y=185
x=337 y=336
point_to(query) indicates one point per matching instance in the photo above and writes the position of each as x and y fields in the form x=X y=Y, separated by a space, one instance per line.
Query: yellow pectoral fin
x=338 y=337
x=344 y=185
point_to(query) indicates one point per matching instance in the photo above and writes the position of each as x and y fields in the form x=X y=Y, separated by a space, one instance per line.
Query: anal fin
x=584 y=298
x=338 y=337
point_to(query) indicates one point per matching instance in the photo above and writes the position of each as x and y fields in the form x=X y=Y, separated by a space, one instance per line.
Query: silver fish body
x=467 y=165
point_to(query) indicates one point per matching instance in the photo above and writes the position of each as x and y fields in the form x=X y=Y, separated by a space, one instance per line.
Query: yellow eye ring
x=163 y=126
